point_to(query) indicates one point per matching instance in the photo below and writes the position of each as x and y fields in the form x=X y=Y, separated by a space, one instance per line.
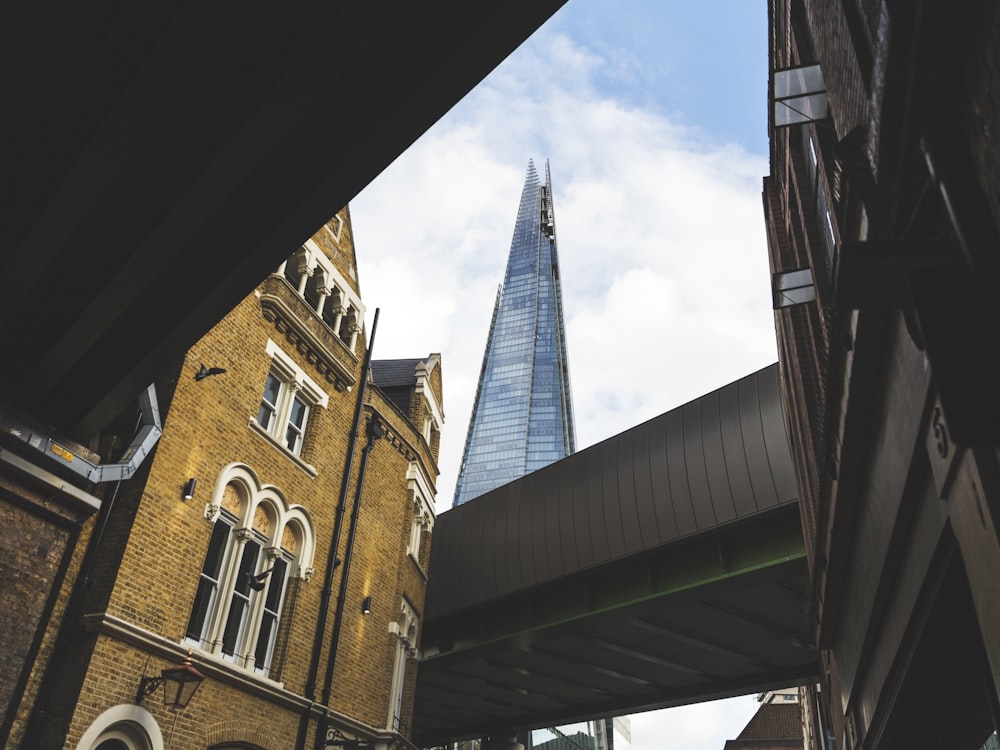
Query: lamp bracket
x=147 y=686
x=337 y=740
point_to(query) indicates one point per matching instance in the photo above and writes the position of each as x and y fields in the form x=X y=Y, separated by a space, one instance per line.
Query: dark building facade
x=882 y=208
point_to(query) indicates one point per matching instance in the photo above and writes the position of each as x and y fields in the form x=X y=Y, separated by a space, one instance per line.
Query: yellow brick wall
x=206 y=429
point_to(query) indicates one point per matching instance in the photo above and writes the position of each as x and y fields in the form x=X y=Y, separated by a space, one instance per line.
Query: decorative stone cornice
x=295 y=321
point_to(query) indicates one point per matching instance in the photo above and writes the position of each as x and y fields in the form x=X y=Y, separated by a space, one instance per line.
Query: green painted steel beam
x=762 y=544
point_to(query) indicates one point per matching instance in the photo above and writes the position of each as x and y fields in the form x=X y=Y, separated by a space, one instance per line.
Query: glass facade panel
x=522 y=419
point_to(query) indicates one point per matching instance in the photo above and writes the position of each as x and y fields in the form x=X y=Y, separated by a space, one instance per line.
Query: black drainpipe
x=375 y=431
x=332 y=561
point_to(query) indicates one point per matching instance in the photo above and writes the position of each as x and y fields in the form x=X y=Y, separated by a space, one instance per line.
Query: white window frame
x=330 y=230
x=405 y=629
x=213 y=623
x=434 y=417
x=346 y=320
x=294 y=385
x=423 y=510
x=131 y=725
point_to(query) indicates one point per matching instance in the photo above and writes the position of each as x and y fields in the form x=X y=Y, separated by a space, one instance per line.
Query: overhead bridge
x=161 y=158
x=662 y=567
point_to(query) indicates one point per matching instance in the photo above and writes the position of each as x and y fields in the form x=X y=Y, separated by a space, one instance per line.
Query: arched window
x=422 y=521
x=259 y=545
x=314 y=277
x=297 y=269
x=123 y=727
x=405 y=630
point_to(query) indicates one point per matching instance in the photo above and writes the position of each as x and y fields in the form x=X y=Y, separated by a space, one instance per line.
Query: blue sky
x=702 y=64
x=653 y=116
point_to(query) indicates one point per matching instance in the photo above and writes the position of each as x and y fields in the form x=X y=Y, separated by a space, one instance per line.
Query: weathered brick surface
x=31 y=563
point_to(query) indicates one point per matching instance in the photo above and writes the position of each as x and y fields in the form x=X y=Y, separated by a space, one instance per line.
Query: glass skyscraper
x=522 y=418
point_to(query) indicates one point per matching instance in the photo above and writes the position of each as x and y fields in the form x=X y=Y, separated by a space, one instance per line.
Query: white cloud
x=701 y=726
x=662 y=254
x=661 y=241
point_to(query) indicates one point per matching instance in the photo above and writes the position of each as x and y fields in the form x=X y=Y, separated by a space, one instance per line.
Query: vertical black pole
x=331 y=560
x=375 y=431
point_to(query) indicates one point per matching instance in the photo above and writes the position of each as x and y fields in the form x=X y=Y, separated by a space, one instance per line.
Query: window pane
x=798 y=81
x=208 y=584
x=296 y=425
x=277 y=585
x=235 y=621
x=248 y=566
x=269 y=620
x=262 y=654
x=234 y=624
x=298 y=415
x=269 y=402
x=199 y=613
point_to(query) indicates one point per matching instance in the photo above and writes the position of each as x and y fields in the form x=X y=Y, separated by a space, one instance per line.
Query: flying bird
x=205 y=372
x=256 y=582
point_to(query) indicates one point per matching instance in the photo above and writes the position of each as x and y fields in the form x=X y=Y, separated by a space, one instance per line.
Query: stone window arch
x=315 y=278
x=405 y=629
x=422 y=520
x=123 y=727
x=260 y=546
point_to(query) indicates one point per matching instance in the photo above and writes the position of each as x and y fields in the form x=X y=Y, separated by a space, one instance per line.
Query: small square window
x=283 y=413
x=289 y=398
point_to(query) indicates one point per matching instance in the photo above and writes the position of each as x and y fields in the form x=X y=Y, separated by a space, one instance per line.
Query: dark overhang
x=159 y=159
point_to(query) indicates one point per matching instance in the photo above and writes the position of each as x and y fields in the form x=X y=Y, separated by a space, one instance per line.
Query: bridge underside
x=720 y=615
x=160 y=159
x=661 y=567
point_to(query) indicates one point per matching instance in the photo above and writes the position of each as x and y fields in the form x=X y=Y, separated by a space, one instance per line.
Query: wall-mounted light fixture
x=179 y=684
x=366 y=606
x=189 y=486
x=337 y=740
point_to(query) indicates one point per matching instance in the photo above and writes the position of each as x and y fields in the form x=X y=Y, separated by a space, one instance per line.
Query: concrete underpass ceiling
x=160 y=159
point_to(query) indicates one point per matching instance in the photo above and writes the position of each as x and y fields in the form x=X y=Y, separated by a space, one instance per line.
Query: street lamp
x=179 y=684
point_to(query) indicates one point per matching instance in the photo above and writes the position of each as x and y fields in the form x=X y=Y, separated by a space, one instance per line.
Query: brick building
x=280 y=532
x=882 y=209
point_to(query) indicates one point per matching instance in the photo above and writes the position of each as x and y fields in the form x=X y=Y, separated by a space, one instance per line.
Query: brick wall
x=164 y=538
x=32 y=565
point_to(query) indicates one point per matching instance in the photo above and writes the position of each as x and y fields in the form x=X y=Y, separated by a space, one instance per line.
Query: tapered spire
x=522 y=418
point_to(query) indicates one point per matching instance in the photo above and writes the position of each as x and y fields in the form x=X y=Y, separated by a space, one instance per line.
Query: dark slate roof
x=393 y=373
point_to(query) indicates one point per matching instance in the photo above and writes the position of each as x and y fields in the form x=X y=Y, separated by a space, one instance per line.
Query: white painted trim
x=136 y=722
x=417 y=481
x=286 y=365
x=333 y=276
x=255 y=495
x=257 y=491
x=335 y=233
x=424 y=387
